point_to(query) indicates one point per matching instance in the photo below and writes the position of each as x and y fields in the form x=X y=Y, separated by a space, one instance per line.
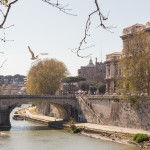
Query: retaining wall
x=113 y=111
x=120 y=113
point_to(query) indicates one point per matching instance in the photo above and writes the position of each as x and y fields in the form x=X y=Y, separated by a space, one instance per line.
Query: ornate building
x=93 y=72
x=112 y=71
x=128 y=33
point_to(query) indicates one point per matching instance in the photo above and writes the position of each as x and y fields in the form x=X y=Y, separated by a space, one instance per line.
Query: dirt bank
x=123 y=138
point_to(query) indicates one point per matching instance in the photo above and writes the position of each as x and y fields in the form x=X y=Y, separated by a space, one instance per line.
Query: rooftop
x=90 y=63
x=135 y=28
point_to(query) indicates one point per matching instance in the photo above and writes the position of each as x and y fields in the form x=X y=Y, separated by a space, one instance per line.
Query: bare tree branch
x=7 y=12
x=7 y=5
x=62 y=8
x=102 y=18
x=4 y=37
x=3 y=63
x=85 y=48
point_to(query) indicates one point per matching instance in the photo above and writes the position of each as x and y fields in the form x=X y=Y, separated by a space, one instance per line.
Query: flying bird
x=35 y=57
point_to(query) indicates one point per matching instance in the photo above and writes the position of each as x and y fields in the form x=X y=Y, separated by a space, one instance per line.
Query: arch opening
x=62 y=112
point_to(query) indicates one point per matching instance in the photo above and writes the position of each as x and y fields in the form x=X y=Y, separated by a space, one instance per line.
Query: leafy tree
x=102 y=88
x=45 y=77
x=71 y=80
x=19 y=78
x=135 y=66
x=74 y=79
x=84 y=86
x=93 y=89
x=9 y=77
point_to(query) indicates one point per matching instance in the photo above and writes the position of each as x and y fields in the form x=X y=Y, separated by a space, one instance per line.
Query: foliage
x=93 y=89
x=139 y=137
x=84 y=87
x=7 y=91
x=97 y=86
x=71 y=124
x=45 y=77
x=17 y=78
x=71 y=121
x=74 y=79
x=135 y=66
x=4 y=2
x=134 y=101
x=102 y=88
x=77 y=129
x=72 y=127
x=71 y=80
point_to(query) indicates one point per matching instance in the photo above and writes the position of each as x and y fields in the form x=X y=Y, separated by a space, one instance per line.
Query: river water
x=26 y=135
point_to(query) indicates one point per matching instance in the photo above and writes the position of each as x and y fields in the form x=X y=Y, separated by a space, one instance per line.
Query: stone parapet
x=36 y=96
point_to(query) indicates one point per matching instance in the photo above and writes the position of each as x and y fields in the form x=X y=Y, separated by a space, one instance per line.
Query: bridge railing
x=37 y=96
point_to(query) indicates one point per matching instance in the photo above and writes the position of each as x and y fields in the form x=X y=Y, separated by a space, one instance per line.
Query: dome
x=90 y=63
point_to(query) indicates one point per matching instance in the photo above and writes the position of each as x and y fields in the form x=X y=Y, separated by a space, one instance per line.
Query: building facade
x=93 y=72
x=112 y=71
x=127 y=34
x=13 y=87
x=112 y=68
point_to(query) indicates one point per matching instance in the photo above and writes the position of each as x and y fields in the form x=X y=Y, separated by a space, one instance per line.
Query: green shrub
x=72 y=128
x=139 y=137
x=77 y=130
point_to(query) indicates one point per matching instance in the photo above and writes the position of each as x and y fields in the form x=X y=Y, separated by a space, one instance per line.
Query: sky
x=46 y=29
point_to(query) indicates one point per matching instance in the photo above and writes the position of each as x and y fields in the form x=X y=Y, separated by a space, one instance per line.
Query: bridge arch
x=66 y=105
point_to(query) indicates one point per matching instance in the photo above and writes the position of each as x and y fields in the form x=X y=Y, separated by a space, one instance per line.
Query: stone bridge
x=67 y=105
x=105 y=109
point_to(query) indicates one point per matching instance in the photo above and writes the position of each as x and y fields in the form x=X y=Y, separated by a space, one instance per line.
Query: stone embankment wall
x=108 y=110
x=64 y=111
x=85 y=113
x=47 y=109
x=120 y=113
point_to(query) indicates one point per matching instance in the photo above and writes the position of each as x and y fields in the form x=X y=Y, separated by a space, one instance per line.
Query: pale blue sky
x=45 y=29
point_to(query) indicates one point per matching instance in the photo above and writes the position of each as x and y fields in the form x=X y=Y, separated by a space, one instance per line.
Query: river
x=26 y=135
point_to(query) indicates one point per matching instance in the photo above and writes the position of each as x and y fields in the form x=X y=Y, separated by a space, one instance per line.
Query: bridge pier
x=5 y=118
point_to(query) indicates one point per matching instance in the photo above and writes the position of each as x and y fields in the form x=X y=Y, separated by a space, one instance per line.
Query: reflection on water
x=25 y=135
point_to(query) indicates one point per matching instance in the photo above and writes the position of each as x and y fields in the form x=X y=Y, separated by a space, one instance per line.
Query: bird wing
x=43 y=53
x=31 y=51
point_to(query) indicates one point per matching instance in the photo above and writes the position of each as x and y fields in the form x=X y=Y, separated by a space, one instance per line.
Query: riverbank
x=109 y=133
x=118 y=137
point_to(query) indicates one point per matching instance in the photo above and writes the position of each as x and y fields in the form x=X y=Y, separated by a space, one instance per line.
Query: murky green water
x=25 y=135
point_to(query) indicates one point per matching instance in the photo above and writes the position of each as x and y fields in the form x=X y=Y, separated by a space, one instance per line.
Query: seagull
x=35 y=57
